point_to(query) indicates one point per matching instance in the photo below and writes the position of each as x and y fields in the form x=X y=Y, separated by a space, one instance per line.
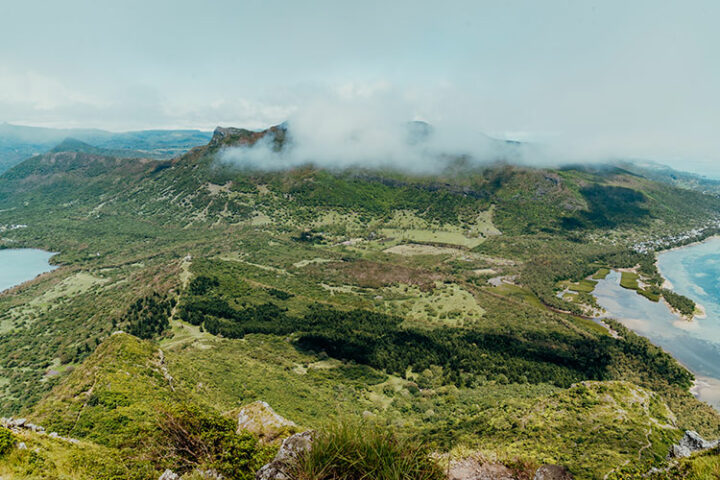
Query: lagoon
x=18 y=265
x=693 y=271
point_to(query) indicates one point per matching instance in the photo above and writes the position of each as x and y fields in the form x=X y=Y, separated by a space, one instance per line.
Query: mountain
x=20 y=142
x=665 y=174
x=411 y=317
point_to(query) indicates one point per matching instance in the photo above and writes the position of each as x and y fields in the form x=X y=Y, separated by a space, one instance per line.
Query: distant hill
x=664 y=174
x=20 y=142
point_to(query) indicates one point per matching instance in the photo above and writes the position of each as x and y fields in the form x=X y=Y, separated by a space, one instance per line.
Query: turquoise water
x=693 y=271
x=19 y=265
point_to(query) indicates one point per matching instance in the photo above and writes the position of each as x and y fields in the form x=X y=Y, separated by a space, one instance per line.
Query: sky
x=588 y=79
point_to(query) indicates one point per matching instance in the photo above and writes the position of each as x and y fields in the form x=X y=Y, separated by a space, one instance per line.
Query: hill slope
x=427 y=302
x=19 y=142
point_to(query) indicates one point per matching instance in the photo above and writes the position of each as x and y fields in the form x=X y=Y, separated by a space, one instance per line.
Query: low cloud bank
x=375 y=131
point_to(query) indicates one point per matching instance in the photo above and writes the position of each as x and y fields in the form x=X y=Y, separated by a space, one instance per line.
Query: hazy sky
x=594 y=78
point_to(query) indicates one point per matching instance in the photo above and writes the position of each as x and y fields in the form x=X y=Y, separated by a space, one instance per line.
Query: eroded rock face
x=472 y=469
x=692 y=442
x=292 y=447
x=552 y=472
x=261 y=420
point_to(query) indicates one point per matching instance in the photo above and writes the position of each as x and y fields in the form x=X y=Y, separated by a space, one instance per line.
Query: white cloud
x=353 y=126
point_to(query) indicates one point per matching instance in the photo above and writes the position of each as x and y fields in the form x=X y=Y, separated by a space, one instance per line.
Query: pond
x=18 y=265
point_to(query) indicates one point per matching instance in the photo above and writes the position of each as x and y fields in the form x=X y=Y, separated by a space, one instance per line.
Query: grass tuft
x=363 y=451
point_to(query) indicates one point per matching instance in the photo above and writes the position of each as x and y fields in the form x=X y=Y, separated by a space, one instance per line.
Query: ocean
x=693 y=271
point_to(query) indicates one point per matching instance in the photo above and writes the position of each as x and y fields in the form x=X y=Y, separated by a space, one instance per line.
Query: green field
x=601 y=274
x=629 y=280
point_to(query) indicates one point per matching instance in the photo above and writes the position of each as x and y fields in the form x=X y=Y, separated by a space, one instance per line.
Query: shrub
x=353 y=451
x=7 y=441
x=148 y=316
x=679 y=302
x=193 y=437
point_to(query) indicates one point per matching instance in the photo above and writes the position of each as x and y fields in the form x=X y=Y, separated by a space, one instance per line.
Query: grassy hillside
x=430 y=304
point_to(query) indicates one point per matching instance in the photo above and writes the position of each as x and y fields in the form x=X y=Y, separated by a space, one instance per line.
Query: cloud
x=373 y=126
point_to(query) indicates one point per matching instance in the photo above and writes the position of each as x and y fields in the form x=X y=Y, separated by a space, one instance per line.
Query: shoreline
x=17 y=282
x=692 y=244
x=705 y=389
x=700 y=310
x=701 y=383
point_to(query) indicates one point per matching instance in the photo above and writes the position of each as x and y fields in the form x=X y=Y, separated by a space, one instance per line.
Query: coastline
x=692 y=244
x=703 y=387
x=706 y=389
x=700 y=311
x=637 y=313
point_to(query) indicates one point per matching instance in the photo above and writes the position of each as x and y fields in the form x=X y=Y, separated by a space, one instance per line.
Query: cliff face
x=240 y=137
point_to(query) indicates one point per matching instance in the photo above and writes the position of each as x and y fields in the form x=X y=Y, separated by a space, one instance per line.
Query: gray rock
x=209 y=474
x=21 y=446
x=291 y=448
x=169 y=475
x=473 y=469
x=692 y=442
x=260 y=419
x=552 y=472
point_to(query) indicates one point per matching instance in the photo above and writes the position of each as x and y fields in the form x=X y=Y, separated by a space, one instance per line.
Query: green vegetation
x=148 y=316
x=354 y=452
x=299 y=288
x=601 y=274
x=629 y=280
x=122 y=397
x=698 y=467
x=583 y=428
x=7 y=441
x=583 y=286
x=48 y=458
x=194 y=438
x=679 y=302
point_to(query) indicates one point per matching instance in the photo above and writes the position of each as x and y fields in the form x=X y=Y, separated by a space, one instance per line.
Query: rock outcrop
x=472 y=469
x=261 y=420
x=552 y=472
x=169 y=475
x=692 y=442
x=240 y=137
x=18 y=425
x=291 y=449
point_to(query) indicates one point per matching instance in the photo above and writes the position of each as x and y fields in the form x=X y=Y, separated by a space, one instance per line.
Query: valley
x=425 y=305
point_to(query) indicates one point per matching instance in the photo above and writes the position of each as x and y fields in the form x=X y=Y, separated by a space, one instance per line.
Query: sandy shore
x=688 y=244
x=700 y=311
x=707 y=389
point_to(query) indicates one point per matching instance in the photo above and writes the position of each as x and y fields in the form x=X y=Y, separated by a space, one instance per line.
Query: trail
x=88 y=394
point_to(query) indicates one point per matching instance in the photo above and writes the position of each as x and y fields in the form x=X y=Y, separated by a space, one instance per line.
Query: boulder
x=473 y=469
x=552 y=472
x=692 y=442
x=169 y=475
x=291 y=448
x=261 y=420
